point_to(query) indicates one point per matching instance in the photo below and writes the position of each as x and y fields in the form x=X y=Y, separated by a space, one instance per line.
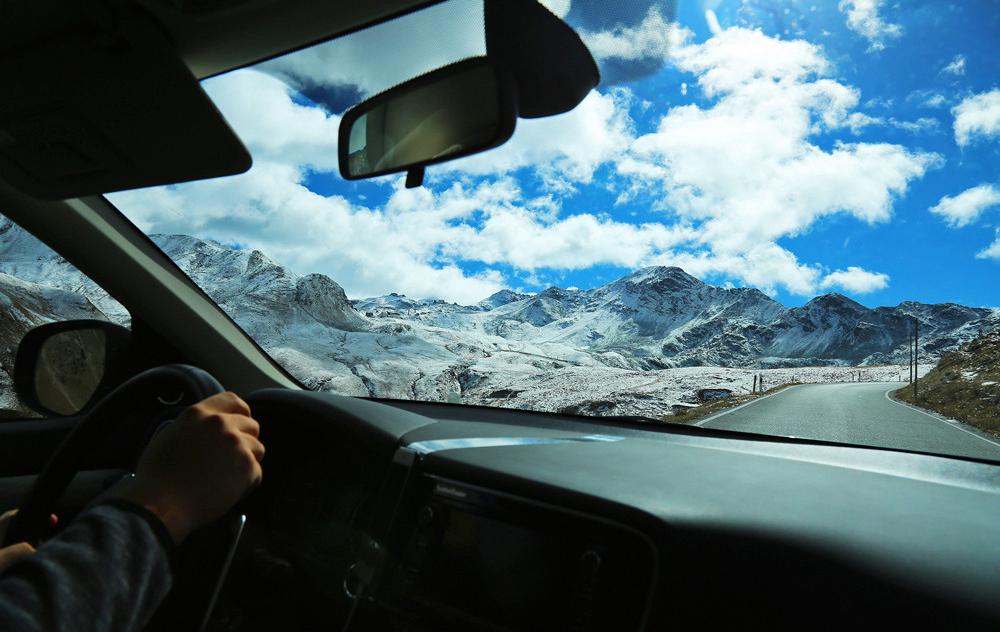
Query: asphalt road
x=853 y=413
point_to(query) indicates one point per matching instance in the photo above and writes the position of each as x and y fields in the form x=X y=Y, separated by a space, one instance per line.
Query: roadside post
x=909 y=346
x=916 y=351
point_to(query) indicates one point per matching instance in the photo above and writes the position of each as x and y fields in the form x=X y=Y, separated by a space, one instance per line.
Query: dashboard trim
x=437 y=445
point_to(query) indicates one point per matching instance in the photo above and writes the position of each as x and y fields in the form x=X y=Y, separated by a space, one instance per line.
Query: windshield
x=756 y=221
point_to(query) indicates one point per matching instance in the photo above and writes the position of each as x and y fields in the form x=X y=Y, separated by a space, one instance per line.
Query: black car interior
x=435 y=516
x=403 y=515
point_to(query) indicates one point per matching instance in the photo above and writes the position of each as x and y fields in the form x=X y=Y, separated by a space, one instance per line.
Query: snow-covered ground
x=426 y=362
x=605 y=391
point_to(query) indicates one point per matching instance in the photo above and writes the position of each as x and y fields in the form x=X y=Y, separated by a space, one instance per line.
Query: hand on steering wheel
x=195 y=469
x=190 y=474
x=142 y=394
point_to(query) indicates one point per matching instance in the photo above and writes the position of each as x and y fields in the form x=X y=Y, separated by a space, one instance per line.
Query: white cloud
x=967 y=206
x=713 y=22
x=515 y=236
x=922 y=124
x=936 y=101
x=368 y=251
x=740 y=57
x=653 y=37
x=269 y=207
x=992 y=251
x=558 y=7
x=745 y=172
x=564 y=149
x=856 y=280
x=927 y=99
x=259 y=107
x=978 y=115
x=880 y=102
x=413 y=243
x=863 y=18
x=767 y=266
x=737 y=176
x=857 y=121
x=956 y=66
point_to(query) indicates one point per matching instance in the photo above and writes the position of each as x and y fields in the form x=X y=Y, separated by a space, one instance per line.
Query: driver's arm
x=110 y=568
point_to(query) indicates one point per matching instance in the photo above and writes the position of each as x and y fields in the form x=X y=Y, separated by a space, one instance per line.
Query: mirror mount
x=414 y=177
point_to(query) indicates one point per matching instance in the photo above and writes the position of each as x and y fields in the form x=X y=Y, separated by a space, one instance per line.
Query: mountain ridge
x=559 y=341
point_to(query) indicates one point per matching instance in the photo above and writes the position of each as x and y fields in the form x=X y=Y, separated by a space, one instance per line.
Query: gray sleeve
x=108 y=570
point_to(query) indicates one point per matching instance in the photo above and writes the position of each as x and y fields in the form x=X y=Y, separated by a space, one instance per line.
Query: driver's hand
x=195 y=469
x=14 y=552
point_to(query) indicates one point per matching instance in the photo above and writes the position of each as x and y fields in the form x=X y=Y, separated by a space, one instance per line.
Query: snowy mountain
x=260 y=294
x=552 y=350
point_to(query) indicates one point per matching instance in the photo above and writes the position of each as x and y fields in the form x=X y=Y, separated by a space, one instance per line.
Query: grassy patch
x=965 y=385
x=709 y=408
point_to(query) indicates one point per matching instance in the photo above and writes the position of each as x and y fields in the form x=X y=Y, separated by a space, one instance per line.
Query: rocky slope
x=965 y=384
x=554 y=345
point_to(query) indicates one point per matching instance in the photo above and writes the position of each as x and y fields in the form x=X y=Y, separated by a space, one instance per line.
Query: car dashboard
x=409 y=516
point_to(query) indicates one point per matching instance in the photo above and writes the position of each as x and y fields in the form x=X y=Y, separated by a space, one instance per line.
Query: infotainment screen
x=470 y=559
x=499 y=572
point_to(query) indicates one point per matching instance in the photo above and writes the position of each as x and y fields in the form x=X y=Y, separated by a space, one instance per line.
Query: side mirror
x=61 y=368
x=454 y=111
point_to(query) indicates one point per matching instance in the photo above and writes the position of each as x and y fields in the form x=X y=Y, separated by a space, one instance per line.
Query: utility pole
x=916 y=352
x=909 y=347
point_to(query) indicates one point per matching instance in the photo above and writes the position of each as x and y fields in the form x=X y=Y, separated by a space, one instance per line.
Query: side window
x=37 y=287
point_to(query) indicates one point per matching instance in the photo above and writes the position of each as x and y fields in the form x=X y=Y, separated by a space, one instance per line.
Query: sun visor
x=91 y=109
x=553 y=68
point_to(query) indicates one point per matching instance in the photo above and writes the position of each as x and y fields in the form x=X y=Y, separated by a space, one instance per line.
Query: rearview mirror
x=457 y=110
x=60 y=367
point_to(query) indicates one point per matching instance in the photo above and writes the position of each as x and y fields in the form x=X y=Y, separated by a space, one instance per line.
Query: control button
x=426 y=516
x=590 y=562
x=587 y=595
x=357 y=579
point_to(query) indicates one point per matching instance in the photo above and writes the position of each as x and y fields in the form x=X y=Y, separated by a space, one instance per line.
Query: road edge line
x=955 y=425
x=702 y=422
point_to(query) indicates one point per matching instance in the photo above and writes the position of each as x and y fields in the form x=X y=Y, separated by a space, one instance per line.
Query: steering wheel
x=150 y=393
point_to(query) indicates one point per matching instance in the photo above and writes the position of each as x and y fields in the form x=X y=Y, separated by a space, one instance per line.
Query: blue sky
x=799 y=147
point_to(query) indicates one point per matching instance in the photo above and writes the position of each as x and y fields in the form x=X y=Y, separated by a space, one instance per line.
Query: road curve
x=859 y=413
